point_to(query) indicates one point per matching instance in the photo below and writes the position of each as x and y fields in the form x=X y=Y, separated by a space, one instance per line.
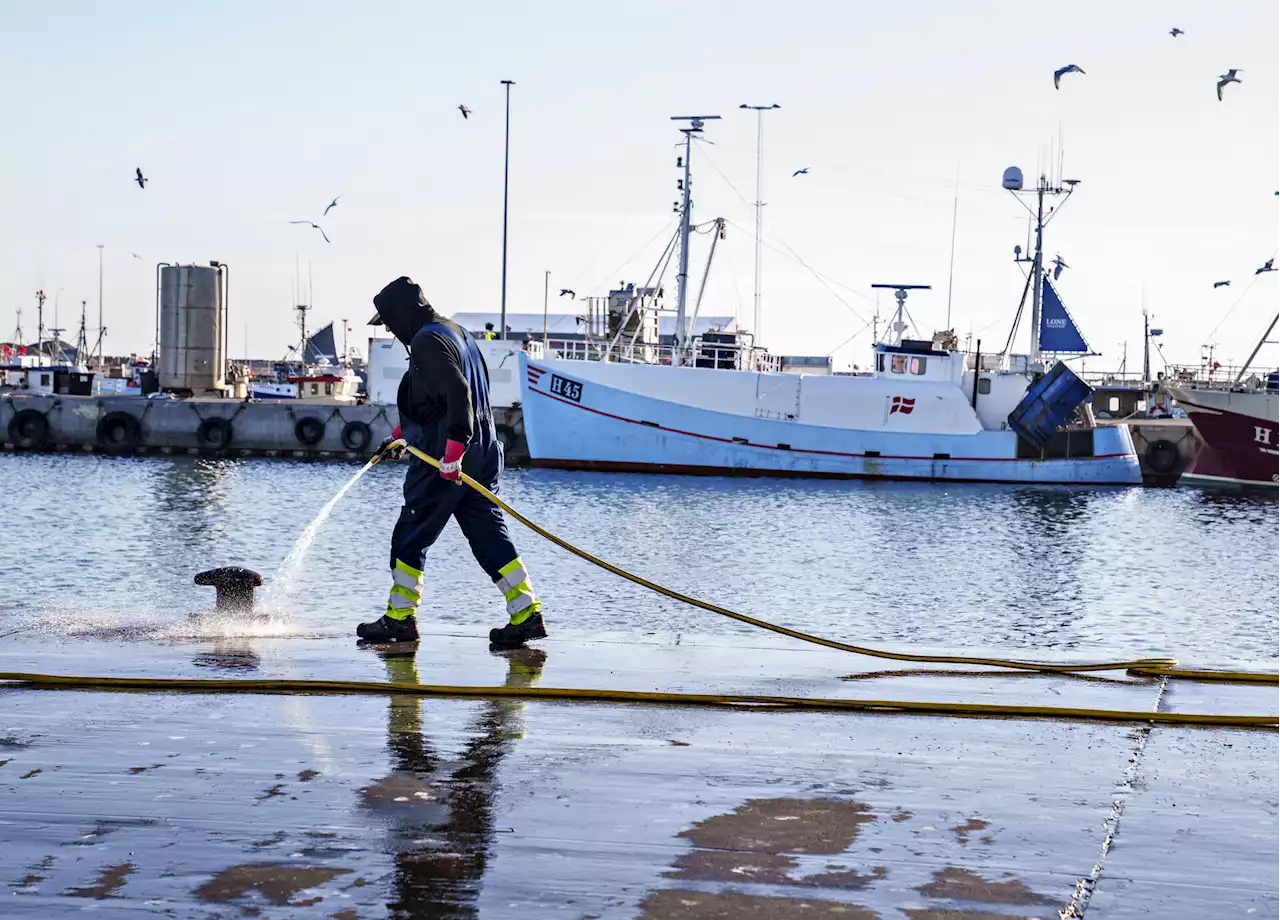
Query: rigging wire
x=1243 y=295
x=631 y=258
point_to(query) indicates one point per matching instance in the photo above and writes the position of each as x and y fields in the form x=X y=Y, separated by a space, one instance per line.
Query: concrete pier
x=355 y=807
x=225 y=427
x=1166 y=447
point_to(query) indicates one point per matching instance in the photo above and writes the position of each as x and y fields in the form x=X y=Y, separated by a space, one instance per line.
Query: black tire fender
x=118 y=431
x=308 y=431
x=29 y=429
x=214 y=433
x=356 y=436
x=1162 y=456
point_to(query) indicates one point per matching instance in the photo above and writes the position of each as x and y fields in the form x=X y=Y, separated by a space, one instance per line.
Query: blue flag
x=1058 y=332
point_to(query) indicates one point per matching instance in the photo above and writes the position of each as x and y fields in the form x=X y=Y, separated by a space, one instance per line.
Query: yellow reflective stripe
x=522 y=615
x=405 y=580
x=402 y=613
x=523 y=588
x=407 y=593
x=507 y=582
x=402 y=566
x=511 y=566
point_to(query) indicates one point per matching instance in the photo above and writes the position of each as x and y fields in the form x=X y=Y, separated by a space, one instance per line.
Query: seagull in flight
x=572 y=295
x=139 y=178
x=1218 y=284
x=1062 y=71
x=332 y=204
x=1228 y=77
x=1269 y=267
x=800 y=172
x=312 y=223
x=1175 y=32
x=466 y=112
x=135 y=255
x=1058 y=265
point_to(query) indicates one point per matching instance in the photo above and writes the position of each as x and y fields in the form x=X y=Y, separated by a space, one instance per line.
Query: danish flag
x=901 y=404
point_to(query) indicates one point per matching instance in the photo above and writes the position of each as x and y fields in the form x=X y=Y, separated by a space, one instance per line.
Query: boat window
x=918 y=365
x=44 y=380
x=984 y=385
x=315 y=389
x=898 y=364
x=1113 y=404
x=880 y=362
x=328 y=389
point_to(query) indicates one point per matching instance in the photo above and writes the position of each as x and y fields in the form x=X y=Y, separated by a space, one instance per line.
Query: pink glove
x=451 y=464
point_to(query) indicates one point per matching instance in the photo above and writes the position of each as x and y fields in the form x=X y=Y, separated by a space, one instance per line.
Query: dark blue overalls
x=430 y=500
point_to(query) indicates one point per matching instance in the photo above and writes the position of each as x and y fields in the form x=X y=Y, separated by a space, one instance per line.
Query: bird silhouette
x=800 y=172
x=1058 y=265
x=1218 y=284
x=135 y=255
x=1062 y=71
x=572 y=295
x=1269 y=267
x=1175 y=32
x=332 y=204
x=466 y=112
x=1228 y=77
x=139 y=178
x=312 y=223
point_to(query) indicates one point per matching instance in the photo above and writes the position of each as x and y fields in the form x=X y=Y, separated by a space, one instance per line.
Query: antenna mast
x=686 y=213
x=759 y=205
x=899 y=325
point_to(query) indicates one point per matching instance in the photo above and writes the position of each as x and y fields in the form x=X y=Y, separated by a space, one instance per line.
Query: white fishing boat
x=927 y=411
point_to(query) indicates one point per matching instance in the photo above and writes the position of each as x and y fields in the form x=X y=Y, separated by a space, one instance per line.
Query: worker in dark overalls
x=444 y=411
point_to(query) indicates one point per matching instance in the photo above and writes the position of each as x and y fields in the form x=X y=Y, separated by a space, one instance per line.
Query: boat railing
x=1218 y=376
x=719 y=356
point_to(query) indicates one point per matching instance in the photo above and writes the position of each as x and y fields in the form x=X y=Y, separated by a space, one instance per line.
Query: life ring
x=118 y=431
x=214 y=433
x=308 y=431
x=356 y=436
x=29 y=429
x=1162 y=456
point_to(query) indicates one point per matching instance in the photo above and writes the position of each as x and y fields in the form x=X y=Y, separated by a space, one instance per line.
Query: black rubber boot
x=385 y=630
x=512 y=636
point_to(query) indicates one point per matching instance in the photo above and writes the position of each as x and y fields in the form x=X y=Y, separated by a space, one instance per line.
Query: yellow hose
x=746 y=701
x=1153 y=667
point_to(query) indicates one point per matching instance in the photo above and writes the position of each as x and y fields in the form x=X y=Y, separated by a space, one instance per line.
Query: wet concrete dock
x=352 y=807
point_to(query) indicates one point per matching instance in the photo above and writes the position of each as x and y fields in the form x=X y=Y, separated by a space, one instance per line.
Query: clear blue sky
x=245 y=115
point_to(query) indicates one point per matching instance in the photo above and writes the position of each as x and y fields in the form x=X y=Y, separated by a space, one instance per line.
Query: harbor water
x=100 y=545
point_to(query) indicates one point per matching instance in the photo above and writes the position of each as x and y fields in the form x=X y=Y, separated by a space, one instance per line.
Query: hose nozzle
x=386 y=449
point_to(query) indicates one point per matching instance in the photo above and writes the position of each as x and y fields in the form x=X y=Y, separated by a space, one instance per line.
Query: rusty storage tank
x=193 y=329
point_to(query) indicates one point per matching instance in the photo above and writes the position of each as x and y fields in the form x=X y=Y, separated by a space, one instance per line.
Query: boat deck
x=350 y=807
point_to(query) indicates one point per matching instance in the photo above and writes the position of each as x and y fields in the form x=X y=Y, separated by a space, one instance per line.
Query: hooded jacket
x=445 y=392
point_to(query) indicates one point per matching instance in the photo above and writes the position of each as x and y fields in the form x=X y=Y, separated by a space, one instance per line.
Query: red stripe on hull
x=620 y=466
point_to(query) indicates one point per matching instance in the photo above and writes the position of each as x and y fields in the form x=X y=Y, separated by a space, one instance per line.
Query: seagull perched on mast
x=572 y=295
x=800 y=172
x=1062 y=71
x=139 y=178
x=332 y=204
x=466 y=112
x=1228 y=77
x=1218 y=284
x=1175 y=32
x=1269 y=267
x=312 y=224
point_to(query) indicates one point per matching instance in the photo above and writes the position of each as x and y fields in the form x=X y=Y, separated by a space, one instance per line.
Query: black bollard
x=234 y=586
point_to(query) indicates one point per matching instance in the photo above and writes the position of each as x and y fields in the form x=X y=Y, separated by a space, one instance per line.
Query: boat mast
x=1013 y=182
x=1257 y=348
x=1038 y=268
x=686 y=212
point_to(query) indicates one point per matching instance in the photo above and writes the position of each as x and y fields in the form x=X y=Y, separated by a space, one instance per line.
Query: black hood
x=402 y=308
